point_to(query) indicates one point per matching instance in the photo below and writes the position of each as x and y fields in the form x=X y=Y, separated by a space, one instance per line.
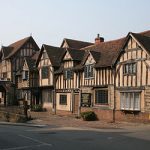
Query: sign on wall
x=86 y=99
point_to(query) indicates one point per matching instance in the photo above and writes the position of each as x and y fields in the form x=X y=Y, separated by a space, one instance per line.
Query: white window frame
x=129 y=102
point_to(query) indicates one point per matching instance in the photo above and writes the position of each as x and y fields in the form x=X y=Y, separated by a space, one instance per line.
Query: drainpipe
x=114 y=107
x=79 y=108
x=54 y=93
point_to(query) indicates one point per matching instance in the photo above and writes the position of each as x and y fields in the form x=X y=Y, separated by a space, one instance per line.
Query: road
x=55 y=138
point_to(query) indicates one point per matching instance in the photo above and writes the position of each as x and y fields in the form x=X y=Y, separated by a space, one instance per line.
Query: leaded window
x=101 y=97
x=63 y=100
x=88 y=71
x=45 y=70
x=68 y=74
x=129 y=68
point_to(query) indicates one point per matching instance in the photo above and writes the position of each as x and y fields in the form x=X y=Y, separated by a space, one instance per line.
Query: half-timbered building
x=28 y=81
x=11 y=62
x=132 y=80
x=48 y=62
x=67 y=81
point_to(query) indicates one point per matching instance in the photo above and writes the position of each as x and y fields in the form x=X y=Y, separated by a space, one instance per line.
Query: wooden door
x=76 y=103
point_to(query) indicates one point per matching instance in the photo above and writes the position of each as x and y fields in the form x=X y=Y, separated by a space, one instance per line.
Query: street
x=56 y=138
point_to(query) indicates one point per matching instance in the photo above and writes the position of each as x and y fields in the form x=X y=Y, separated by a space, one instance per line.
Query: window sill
x=89 y=78
x=130 y=74
x=130 y=110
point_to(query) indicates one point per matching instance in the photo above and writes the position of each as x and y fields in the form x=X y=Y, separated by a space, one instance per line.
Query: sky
x=50 y=21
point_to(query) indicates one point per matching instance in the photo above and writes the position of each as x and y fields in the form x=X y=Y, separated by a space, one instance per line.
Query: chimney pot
x=99 y=39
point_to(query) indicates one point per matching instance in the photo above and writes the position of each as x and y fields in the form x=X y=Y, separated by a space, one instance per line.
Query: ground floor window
x=47 y=96
x=101 y=97
x=63 y=100
x=130 y=101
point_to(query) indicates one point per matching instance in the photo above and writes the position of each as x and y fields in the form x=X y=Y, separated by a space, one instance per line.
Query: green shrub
x=37 y=108
x=89 y=116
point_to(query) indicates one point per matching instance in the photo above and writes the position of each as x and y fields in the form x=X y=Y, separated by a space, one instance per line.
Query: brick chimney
x=99 y=39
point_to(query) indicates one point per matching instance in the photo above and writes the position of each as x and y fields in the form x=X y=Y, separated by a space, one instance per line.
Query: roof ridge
x=77 y=40
x=103 y=43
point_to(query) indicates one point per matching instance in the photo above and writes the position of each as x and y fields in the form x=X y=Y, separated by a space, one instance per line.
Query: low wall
x=132 y=117
x=106 y=115
x=12 y=114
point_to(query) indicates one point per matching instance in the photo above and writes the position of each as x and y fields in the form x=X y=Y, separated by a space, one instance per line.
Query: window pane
x=45 y=70
x=127 y=101
x=122 y=100
x=137 y=101
x=63 y=100
x=88 y=71
x=131 y=101
x=101 y=96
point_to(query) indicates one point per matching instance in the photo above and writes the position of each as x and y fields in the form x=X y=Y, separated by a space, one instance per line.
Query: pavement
x=46 y=119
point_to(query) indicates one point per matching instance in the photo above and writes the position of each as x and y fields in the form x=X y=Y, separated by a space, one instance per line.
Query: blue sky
x=50 y=21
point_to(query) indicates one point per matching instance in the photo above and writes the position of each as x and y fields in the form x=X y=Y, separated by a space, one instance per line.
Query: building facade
x=110 y=78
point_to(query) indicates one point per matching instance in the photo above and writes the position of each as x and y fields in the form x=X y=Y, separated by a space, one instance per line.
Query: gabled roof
x=96 y=55
x=143 y=40
x=76 y=44
x=145 y=33
x=76 y=54
x=10 y=50
x=6 y=50
x=107 y=52
x=55 y=54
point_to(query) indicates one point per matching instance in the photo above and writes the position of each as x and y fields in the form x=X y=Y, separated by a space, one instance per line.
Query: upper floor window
x=68 y=74
x=45 y=71
x=88 y=71
x=25 y=75
x=129 y=68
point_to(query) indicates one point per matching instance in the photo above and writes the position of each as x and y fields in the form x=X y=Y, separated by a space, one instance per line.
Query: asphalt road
x=50 y=138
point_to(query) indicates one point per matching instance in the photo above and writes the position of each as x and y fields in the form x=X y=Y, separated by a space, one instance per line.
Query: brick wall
x=106 y=115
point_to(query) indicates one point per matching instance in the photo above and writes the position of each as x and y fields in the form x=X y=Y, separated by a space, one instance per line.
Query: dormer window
x=129 y=69
x=88 y=71
x=68 y=74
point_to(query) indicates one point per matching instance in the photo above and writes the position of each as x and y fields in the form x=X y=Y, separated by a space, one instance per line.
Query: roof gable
x=67 y=56
x=89 y=60
x=108 y=52
x=18 y=45
x=76 y=44
x=143 y=41
x=55 y=54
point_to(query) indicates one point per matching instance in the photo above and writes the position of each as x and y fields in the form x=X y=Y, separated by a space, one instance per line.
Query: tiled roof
x=76 y=54
x=76 y=44
x=14 y=47
x=55 y=54
x=6 y=50
x=108 y=51
x=17 y=45
x=144 y=40
x=31 y=61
